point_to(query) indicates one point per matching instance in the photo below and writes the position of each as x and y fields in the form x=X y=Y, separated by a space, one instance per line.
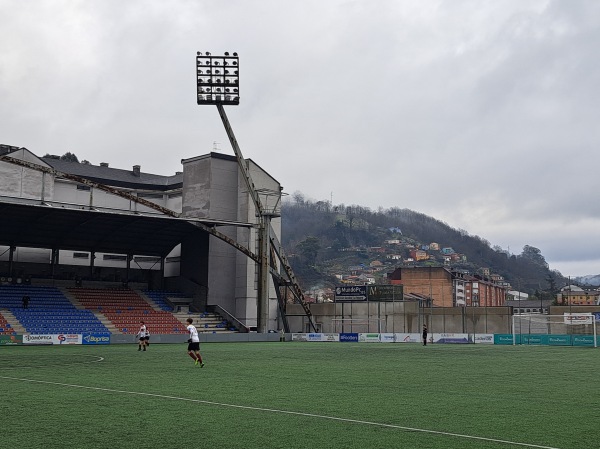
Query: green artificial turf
x=299 y=395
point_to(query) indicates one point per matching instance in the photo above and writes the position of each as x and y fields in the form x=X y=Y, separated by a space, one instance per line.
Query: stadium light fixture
x=217 y=79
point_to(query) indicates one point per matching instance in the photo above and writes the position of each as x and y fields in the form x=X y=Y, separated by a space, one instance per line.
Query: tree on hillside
x=309 y=249
x=534 y=255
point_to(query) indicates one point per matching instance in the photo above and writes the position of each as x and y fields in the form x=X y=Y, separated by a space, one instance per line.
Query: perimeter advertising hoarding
x=484 y=338
x=450 y=338
x=314 y=336
x=368 y=338
x=544 y=339
x=505 y=339
x=11 y=339
x=349 y=337
x=408 y=338
x=387 y=338
x=53 y=339
x=96 y=339
x=299 y=337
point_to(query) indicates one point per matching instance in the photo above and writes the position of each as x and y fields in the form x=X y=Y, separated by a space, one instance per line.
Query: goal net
x=569 y=329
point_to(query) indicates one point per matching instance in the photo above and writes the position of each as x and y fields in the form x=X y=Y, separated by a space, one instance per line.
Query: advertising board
x=52 y=339
x=11 y=339
x=385 y=292
x=351 y=293
x=349 y=337
x=96 y=339
x=368 y=338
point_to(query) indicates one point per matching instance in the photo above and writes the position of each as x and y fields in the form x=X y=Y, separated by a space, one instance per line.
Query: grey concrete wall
x=400 y=317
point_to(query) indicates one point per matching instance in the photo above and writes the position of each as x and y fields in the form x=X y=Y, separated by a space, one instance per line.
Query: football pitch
x=300 y=395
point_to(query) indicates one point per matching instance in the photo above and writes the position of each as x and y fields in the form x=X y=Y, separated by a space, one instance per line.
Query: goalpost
x=569 y=329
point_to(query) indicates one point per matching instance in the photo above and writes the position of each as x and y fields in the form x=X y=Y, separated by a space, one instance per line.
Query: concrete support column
x=263 y=273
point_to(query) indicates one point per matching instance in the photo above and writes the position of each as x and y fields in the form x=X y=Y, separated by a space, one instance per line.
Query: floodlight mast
x=217 y=82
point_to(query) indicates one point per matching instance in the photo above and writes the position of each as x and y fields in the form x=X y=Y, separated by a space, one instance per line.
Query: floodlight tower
x=217 y=82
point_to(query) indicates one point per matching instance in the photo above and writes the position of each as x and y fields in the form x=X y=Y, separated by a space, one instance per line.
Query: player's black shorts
x=142 y=338
x=146 y=338
x=194 y=346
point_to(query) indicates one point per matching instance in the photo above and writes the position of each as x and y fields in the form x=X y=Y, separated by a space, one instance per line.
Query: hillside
x=326 y=242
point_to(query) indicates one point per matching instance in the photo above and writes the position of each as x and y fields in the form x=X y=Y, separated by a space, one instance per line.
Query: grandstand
x=66 y=221
x=48 y=311
x=53 y=310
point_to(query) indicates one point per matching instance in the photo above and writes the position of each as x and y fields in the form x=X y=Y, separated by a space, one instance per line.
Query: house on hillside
x=419 y=254
x=449 y=288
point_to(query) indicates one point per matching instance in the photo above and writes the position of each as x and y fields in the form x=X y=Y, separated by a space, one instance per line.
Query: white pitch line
x=287 y=412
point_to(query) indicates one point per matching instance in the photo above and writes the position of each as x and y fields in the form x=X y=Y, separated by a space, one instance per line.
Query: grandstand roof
x=117 y=177
x=48 y=226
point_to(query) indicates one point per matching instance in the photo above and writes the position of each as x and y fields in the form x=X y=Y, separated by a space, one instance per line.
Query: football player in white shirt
x=141 y=335
x=194 y=343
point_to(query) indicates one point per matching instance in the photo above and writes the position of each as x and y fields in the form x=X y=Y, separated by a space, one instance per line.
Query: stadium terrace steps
x=82 y=310
x=13 y=322
x=206 y=322
x=48 y=311
x=8 y=324
x=125 y=308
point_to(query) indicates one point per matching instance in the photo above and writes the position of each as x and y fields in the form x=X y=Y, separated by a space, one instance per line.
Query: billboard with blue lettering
x=96 y=339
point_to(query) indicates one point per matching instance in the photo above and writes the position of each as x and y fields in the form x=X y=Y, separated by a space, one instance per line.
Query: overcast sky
x=482 y=114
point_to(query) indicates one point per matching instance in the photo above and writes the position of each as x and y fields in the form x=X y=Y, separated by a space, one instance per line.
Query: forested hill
x=324 y=240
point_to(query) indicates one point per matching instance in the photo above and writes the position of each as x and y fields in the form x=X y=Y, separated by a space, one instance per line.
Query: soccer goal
x=569 y=329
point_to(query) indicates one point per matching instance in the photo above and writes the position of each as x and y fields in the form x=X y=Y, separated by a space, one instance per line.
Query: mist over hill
x=324 y=241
